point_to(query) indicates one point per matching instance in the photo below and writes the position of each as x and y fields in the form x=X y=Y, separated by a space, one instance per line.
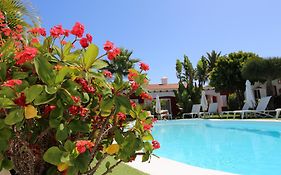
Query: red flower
x=133 y=104
x=36 y=31
x=144 y=67
x=147 y=127
x=112 y=54
x=83 y=145
x=121 y=116
x=154 y=120
x=66 y=32
x=155 y=144
x=132 y=75
x=63 y=42
x=108 y=46
x=75 y=99
x=12 y=83
x=20 y=101
x=83 y=111
x=107 y=74
x=26 y=55
x=19 y=28
x=134 y=85
x=89 y=37
x=73 y=110
x=1 y=15
x=144 y=95
x=78 y=30
x=56 y=31
x=84 y=42
x=48 y=109
x=34 y=40
x=7 y=31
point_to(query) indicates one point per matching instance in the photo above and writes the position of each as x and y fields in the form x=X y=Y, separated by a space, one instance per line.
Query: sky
x=161 y=31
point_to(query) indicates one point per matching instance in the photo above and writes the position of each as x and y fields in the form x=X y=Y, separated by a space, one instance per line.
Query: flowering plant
x=62 y=111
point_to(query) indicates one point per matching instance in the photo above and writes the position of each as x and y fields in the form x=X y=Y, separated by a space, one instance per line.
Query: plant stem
x=111 y=168
x=94 y=169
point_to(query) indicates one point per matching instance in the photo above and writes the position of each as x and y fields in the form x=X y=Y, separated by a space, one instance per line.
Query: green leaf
x=82 y=161
x=3 y=144
x=20 y=75
x=145 y=157
x=118 y=137
x=106 y=107
x=107 y=165
x=62 y=132
x=99 y=64
x=5 y=133
x=53 y=155
x=3 y=71
x=2 y=123
x=69 y=145
x=51 y=89
x=52 y=171
x=44 y=70
x=7 y=92
x=47 y=43
x=66 y=49
x=44 y=98
x=79 y=126
x=72 y=171
x=32 y=92
x=90 y=55
x=72 y=56
x=6 y=103
x=147 y=137
x=7 y=164
x=15 y=116
x=62 y=73
x=124 y=101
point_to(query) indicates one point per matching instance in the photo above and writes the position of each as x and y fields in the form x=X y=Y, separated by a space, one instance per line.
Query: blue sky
x=161 y=31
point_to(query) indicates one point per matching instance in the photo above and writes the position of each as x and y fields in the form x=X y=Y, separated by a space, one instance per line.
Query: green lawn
x=121 y=169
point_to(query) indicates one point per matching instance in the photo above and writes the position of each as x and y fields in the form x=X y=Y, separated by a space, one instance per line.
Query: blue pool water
x=241 y=147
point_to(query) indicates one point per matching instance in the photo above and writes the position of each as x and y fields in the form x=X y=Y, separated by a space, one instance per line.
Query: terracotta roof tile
x=158 y=87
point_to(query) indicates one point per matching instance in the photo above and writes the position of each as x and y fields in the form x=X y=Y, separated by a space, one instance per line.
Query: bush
x=61 y=110
x=233 y=102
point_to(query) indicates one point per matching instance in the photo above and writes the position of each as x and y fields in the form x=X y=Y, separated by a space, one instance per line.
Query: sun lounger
x=194 y=111
x=245 y=107
x=213 y=109
x=260 y=109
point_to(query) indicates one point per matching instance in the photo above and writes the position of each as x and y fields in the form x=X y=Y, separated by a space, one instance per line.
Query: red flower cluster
x=121 y=116
x=145 y=95
x=75 y=99
x=20 y=101
x=38 y=31
x=134 y=85
x=74 y=110
x=133 y=104
x=78 y=30
x=48 y=109
x=57 y=31
x=83 y=145
x=107 y=74
x=147 y=127
x=111 y=50
x=26 y=55
x=155 y=144
x=132 y=75
x=86 y=87
x=144 y=66
x=84 y=42
x=12 y=83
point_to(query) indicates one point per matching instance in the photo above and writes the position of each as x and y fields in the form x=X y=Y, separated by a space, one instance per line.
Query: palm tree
x=211 y=59
x=202 y=71
x=122 y=63
x=18 y=12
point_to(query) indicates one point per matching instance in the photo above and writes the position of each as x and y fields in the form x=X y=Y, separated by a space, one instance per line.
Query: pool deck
x=163 y=166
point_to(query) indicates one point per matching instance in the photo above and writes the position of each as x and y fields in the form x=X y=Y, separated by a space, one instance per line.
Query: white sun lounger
x=245 y=107
x=213 y=109
x=194 y=111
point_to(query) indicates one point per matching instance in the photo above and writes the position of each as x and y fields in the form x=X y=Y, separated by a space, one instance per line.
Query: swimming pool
x=241 y=147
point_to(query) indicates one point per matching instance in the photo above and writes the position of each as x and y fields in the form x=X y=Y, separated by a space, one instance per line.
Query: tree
x=18 y=12
x=201 y=71
x=188 y=92
x=226 y=75
x=263 y=70
x=211 y=59
x=122 y=63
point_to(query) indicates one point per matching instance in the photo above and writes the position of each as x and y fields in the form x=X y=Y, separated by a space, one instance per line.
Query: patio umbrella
x=157 y=105
x=249 y=95
x=204 y=102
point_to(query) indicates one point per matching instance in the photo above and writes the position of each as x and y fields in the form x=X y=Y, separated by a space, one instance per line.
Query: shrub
x=61 y=110
x=232 y=102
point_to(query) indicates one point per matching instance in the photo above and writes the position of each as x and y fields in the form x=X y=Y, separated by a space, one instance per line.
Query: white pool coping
x=164 y=166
